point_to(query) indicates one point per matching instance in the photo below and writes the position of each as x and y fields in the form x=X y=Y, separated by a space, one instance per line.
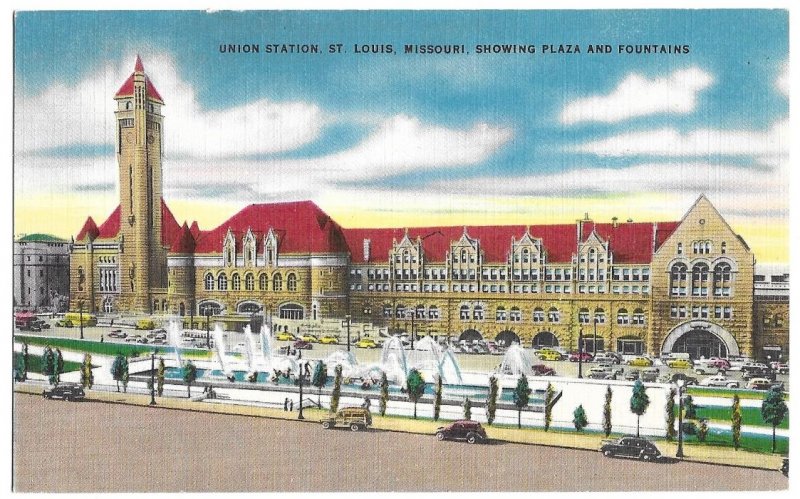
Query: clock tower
x=139 y=127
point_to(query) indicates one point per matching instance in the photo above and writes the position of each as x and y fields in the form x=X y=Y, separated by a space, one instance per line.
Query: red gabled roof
x=126 y=90
x=89 y=229
x=631 y=242
x=300 y=226
x=195 y=229
x=110 y=227
x=169 y=226
x=184 y=243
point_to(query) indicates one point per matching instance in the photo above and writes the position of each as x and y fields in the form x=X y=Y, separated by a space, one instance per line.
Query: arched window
x=524 y=255
x=108 y=305
x=591 y=255
x=638 y=317
x=433 y=312
x=262 y=282
x=477 y=312
x=700 y=279
x=583 y=316
x=400 y=312
x=387 y=311
x=209 y=308
x=209 y=282
x=291 y=282
x=155 y=305
x=678 y=279
x=277 y=282
x=249 y=282
x=500 y=314
x=290 y=311
x=419 y=312
x=600 y=316
x=553 y=315
x=515 y=315
x=622 y=317
x=222 y=282
x=464 y=312
x=538 y=315
x=236 y=282
x=463 y=256
x=722 y=279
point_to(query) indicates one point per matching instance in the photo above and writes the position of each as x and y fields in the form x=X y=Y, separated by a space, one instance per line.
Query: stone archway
x=700 y=337
x=470 y=335
x=506 y=338
x=544 y=339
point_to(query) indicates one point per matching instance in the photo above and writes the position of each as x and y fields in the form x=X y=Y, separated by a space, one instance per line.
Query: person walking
x=286 y=404
x=291 y=405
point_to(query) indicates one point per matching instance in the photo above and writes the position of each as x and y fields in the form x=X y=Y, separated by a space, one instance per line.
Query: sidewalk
x=701 y=454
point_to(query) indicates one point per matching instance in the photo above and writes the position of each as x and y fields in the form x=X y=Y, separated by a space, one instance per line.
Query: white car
x=719 y=381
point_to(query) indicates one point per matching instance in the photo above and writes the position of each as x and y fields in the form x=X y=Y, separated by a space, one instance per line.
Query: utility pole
x=300 y=378
x=580 y=353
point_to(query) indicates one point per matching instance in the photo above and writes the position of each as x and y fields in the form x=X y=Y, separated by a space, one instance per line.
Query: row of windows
x=703 y=248
x=221 y=282
x=699 y=281
x=700 y=311
x=419 y=312
x=550 y=274
x=501 y=288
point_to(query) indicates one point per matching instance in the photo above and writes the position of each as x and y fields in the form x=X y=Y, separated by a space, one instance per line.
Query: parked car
x=675 y=377
x=719 y=381
x=142 y=340
x=649 y=375
x=758 y=373
x=759 y=384
x=355 y=418
x=309 y=338
x=583 y=356
x=780 y=367
x=494 y=349
x=469 y=431
x=608 y=357
x=549 y=355
x=640 y=362
x=158 y=341
x=135 y=338
x=719 y=363
x=366 y=343
x=753 y=366
x=285 y=336
x=145 y=324
x=705 y=368
x=679 y=364
x=329 y=339
x=302 y=345
x=543 y=370
x=601 y=374
x=63 y=323
x=632 y=375
x=65 y=391
x=117 y=334
x=785 y=467
x=630 y=446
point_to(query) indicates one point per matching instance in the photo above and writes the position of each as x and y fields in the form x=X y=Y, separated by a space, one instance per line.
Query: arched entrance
x=248 y=307
x=701 y=339
x=470 y=335
x=506 y=338
x=544 y=339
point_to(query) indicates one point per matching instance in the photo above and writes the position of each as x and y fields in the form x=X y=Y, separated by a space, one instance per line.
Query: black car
x=471 y=431
x=65 y=391
x=630 y=446
x=687 y=380
x=758 y=373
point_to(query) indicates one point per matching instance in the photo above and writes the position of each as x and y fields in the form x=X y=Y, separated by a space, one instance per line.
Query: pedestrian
x=101 y=338
x=291 y=405
x=286 y=404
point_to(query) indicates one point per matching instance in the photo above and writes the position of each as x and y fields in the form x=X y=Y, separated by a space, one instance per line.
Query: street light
x=80 y=311
x=594 y=340
x=208 y=327
x=412 y=313
x=679 y=454
x=300 y=378
x=580 y=353
x=346 y=324
x=153 y=377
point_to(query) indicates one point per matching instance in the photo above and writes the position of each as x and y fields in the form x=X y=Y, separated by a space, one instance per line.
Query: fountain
x=516 y=362
x=350 y=367
x=219 y=343
x=174 y=334
x=428 y=355
x=393 y=360
x=266 y=344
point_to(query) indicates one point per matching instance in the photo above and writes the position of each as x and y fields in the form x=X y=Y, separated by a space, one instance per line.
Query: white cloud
x=784 y=81
x=83 y=113
x=670 y=142
x=638 y=96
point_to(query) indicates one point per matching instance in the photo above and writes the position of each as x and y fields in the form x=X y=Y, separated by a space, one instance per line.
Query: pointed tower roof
x=184 y=243
x=195 y=229
x=126 y=90
x=89 y=230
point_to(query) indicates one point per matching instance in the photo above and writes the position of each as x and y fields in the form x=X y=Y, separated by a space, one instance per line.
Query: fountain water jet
x=174 y=333
x=516 y=362
x=428 y=355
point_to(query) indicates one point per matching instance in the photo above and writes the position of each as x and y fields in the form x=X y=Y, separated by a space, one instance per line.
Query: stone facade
x=41 y=272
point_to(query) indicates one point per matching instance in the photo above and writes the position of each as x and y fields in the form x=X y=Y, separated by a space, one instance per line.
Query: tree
x=160 y=376
x=736 y=423
x=119 y=365
x=548 y=406
x=690 y=410
x=319 y=379
x=467 y=408
x=639 y=402
x=702 y=430
x=337 y=388
x=415 y=384
x=607 y=412
x=48 y=362
x=491 y=402
x=189 y=376
x=24 y=362
x=579 y=418
x=670 y=413
x=522 y=395
x=59 y=364
x=384 y=393
x=437 y=399
x=87 y=377
x=125 y=375
x=773 y=410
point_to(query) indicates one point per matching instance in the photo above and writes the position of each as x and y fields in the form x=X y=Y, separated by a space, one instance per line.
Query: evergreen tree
x=548 y=406
x=384 y=393
x=189 y=376
x=670 y=412
x=160 y=373
x=579 y=418
x=690 y=410
x=639 y=402
x=736 y=423
x=773 y=410
x=25 y=362
x=522 y=395
x=337 y=388
x=319 y=379
x=437 y=399
x=117 y=368
x=491 y=402
x=415 y=384
x=59 y=365
x=607 y=412
x=702 y=430
x=87 y=377
x=48 y=362
x=125 y=374
x=467 y=408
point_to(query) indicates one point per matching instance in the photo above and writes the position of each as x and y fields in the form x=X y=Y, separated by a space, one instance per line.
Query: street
x=102 y=447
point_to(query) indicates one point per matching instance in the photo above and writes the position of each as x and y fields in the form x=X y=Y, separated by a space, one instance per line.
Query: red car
x=584 y=356
x=543 y=370
x=471 y=431
x=302 y=345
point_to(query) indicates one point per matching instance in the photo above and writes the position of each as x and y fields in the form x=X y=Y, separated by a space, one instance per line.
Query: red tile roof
x=184 y=243
x=126 y=90
x=301 y=227
x=110 y=228
x=89 y=229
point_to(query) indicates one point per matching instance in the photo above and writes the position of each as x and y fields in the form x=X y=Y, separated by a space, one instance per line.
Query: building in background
x=771 y=315
x=41 y=273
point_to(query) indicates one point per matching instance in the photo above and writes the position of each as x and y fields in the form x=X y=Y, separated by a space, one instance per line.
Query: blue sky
x=404 y=135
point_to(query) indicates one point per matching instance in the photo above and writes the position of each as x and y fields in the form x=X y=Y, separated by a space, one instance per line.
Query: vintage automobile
x=583 y=356
x=759 y=384
x=675 y=377
x=630 y=446
x=467 y=430
x=640 y=362
x=549 y=355
x=65 y=391
x=366 y=343
x=608 y=357
x=302 y=345
x=285 y=336
x=329 y=339
x=355 y=418
x=649 y=375
x=679 y=364
x=543 y=370
x=309 y=338
x=719 y=381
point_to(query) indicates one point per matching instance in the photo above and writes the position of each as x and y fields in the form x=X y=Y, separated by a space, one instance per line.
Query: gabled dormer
x=229 y=249
x=249 y=249
x=525 y=257
x=405 y=257
x=593 y=258
x=465 y=257
x=271 y=248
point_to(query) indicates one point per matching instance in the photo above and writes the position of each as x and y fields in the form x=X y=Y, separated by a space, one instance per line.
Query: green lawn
x=111 y=349
x=728 y=393
x=35 y=364
x=749 y=442
x=751 y=416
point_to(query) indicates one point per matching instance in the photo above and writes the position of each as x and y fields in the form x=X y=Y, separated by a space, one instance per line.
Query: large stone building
x=634 y=287
x=41 y=272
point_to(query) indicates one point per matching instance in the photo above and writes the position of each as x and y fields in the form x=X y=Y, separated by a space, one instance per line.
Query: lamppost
x=594 y=340
x=153 y=377
x=367 y=317
x=580 y=352
x=208 y=327
x=346 y=324
x=300 y=378
x=412 y=314
x=679 y=454
x=80 y=311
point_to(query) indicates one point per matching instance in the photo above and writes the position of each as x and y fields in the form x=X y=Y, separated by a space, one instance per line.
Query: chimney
x=614 y=222
x=586 y=215
x=366 y=249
